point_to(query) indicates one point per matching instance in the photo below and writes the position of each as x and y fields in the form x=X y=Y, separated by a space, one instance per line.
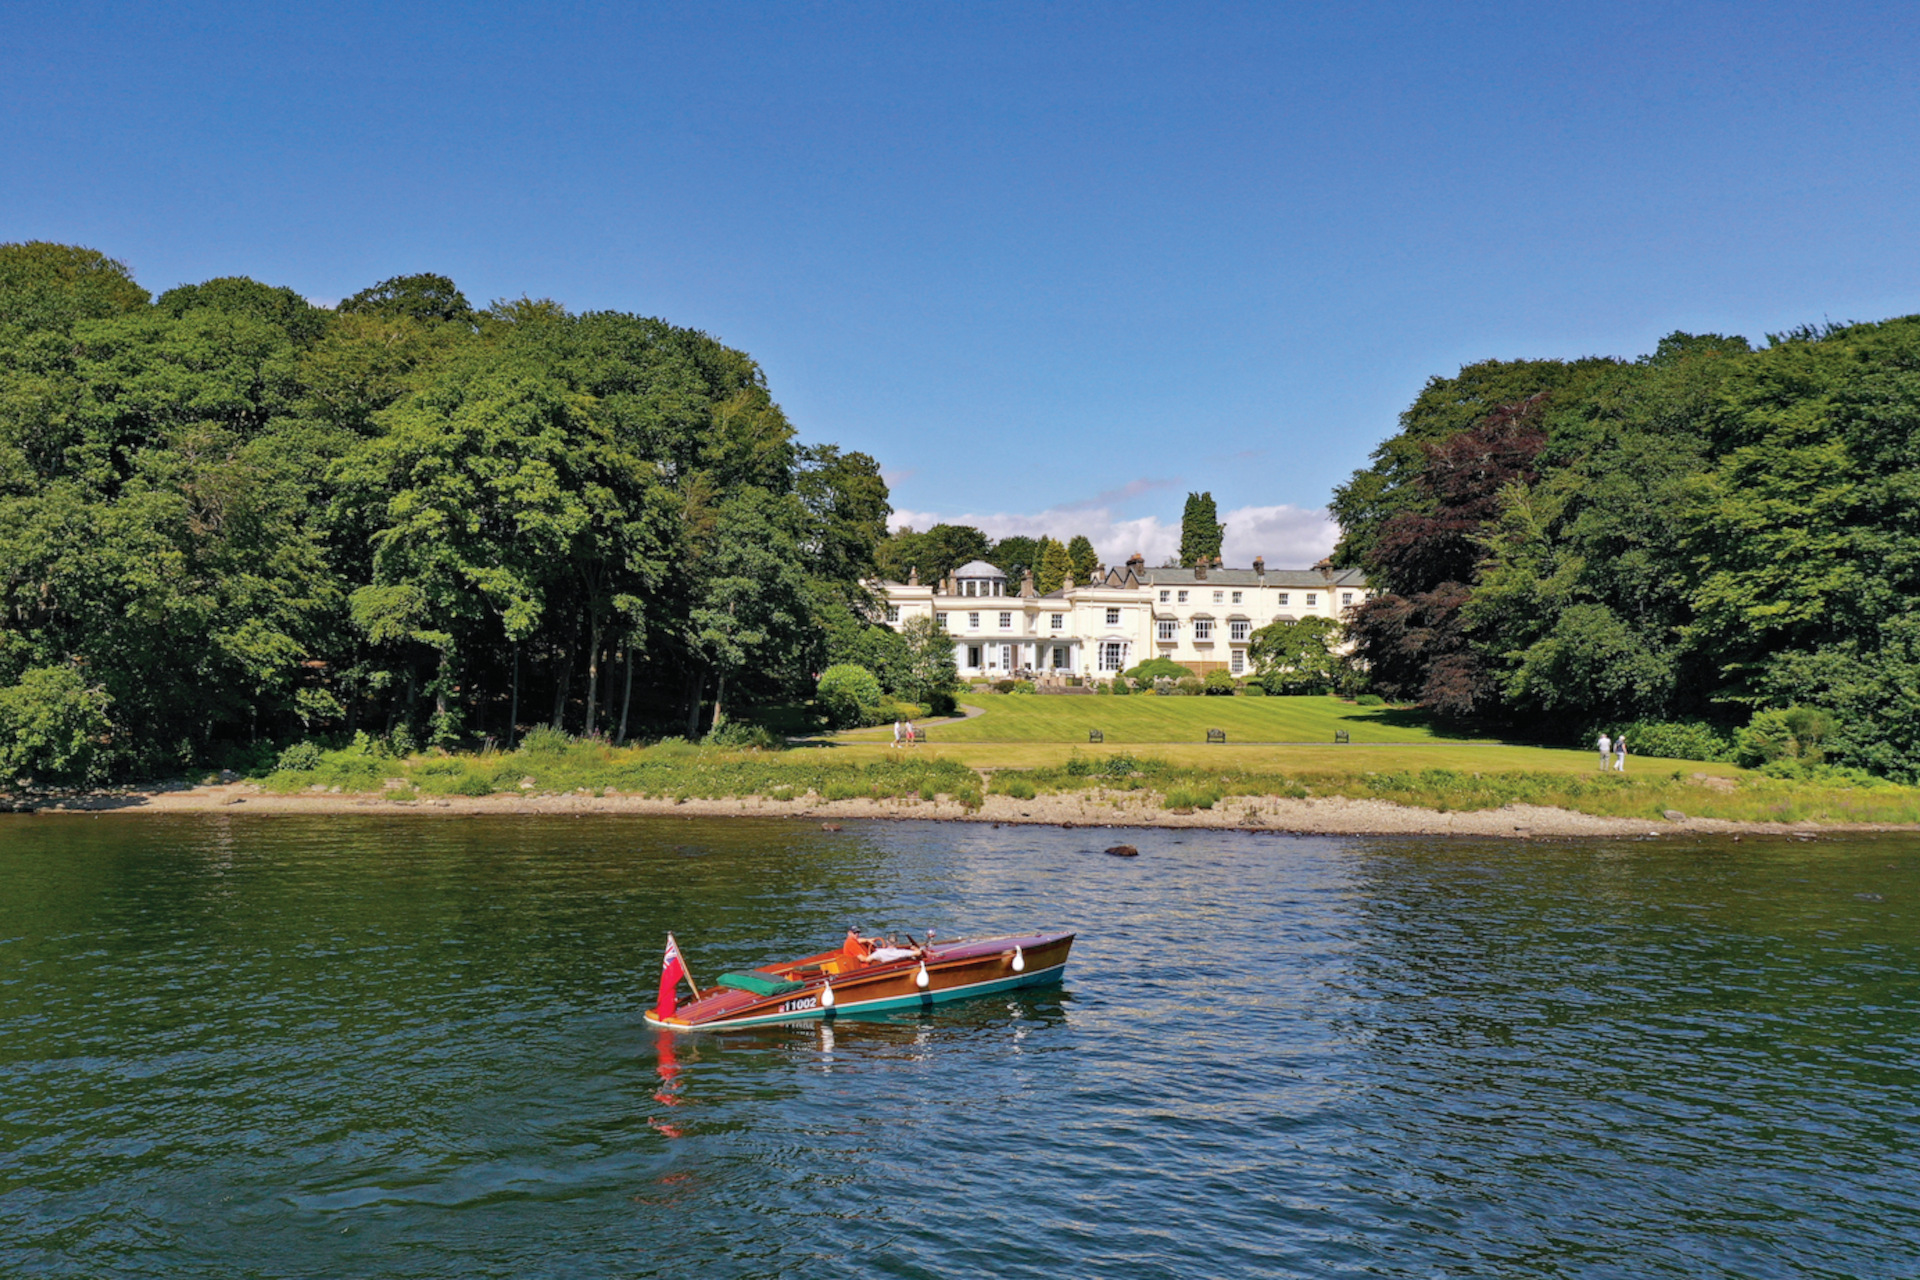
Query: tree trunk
x=440 y=698
x=697 y=683
x=562 y=678
x=513 y=706
x=593 y=674
x=626 y=700
x=719 y=700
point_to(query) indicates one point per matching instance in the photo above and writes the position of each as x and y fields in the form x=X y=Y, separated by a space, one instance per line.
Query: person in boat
x=876 y=950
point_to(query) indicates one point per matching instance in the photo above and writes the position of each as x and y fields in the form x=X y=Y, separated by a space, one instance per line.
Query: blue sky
x=1054 y=265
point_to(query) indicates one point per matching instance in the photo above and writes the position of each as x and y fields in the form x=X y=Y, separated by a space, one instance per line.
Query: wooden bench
x=1340 y=735
x=1216 y=735
x=1095 y=735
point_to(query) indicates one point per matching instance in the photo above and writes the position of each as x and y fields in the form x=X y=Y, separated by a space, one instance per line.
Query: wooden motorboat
x=863 y=975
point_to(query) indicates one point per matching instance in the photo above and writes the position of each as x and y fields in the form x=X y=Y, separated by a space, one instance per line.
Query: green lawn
x=1143 y=719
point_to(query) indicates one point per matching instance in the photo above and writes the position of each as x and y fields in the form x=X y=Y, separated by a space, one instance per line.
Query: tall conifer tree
x=1200 y=531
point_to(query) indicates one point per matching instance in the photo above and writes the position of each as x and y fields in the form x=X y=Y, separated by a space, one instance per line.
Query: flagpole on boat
x=686 y=970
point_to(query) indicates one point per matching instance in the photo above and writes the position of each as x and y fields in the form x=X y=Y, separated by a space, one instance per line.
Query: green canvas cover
x=759 y=984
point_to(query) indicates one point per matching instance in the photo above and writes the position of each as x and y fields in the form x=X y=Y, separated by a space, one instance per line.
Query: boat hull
x=955 y=971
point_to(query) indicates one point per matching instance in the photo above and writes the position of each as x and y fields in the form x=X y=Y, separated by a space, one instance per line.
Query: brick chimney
x=1136 y=561
x=1260 y=565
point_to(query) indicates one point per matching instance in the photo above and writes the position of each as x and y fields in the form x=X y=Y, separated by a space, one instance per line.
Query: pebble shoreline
x=1329 y=816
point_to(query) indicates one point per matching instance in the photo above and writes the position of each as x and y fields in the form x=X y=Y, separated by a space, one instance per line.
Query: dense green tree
x=1200 y=531
x=1015 y=555
x=933 y=554
x=418 y=297
x=1053 y=567
x=238 y=295
x=55 y=286
x=1298 y=657
x=52 y=725
x=931 y=674
x=1083 y=557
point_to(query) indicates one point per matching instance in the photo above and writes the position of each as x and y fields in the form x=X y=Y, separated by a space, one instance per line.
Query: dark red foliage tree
x=1411 y=636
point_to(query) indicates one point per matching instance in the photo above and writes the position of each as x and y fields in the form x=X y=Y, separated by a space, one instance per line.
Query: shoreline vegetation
x=1268 y=788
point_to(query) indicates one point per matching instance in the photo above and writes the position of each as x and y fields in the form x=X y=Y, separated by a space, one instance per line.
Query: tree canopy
x=229 y=518
x=1706 y=532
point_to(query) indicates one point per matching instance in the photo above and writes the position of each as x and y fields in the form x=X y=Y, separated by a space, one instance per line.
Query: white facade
x=1201 y=618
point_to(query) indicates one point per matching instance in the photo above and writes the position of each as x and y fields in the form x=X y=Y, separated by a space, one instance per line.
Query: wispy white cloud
x=1287 y=536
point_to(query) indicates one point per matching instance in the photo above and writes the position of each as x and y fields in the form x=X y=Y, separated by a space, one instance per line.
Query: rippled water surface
x=413 y=1047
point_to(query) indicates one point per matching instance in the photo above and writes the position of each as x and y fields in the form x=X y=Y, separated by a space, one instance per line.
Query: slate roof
x=1305 y=578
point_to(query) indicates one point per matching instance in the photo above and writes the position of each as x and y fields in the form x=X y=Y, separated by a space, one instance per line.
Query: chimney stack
x=1260 y=565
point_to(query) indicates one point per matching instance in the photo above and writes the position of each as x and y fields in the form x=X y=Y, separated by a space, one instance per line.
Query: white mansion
x=1202 y=618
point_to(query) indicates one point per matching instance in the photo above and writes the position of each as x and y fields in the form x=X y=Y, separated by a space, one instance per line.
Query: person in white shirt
x=1606 y=749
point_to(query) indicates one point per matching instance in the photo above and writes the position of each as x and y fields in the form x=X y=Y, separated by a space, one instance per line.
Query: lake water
x=385 y=1047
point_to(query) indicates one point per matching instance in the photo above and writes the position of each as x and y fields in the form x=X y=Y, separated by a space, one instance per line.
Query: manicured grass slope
x=1140 y=719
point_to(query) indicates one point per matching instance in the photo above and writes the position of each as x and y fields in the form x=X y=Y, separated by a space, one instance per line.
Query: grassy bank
x=1141 y=719
x=673 y=770
x=1208 y=778
x=1748 y=797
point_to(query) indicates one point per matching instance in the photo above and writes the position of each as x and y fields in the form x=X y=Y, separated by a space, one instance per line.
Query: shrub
x=739 y=735
x=1218 y=684
x=1117 y=685
x=941 y=703
x=1156 y=669
x=1191 y=687
x=51 y=726
x=1018 y=686
x=1013 y=785
x=301 y=757
x=846 y=694
x=1678 y=740
x=402 y=742
x=1371 y=700
x=545 y=741
x=473 y=785
x=1797 y=733
x=1185 y=798
x=1254 y=689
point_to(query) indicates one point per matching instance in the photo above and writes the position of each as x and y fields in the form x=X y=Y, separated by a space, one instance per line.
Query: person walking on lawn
x=1620 y=753
x=1606 y=749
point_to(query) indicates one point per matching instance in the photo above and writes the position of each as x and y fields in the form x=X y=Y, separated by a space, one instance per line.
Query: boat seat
x=758 y=984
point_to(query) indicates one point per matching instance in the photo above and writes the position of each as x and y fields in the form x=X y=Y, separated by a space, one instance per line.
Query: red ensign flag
x=671 y=971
